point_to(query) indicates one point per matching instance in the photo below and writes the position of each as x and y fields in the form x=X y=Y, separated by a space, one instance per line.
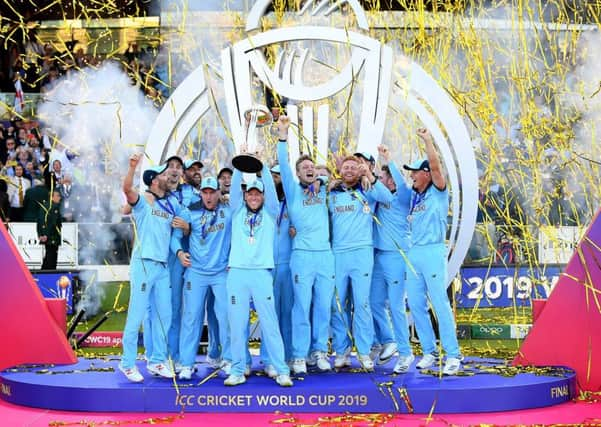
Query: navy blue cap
x=418 y=165
x=178 y=158
x=225 y=169
x=366 y=156
x=151 y=173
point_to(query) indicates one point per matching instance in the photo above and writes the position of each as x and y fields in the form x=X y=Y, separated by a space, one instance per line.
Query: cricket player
x=351 y=210
x=206 y=262
x=149 y=275
x=428 y=210
x=391 y=235
x=311 y=261
x=249 y=276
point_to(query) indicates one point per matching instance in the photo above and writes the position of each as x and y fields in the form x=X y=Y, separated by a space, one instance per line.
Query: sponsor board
x=505 y=286
x=464 y=332
x=491 y=332
x=101 y=339
x=520 y=331
x=25 y=236
x=57 y=285
x=556 y=245
x=496 y=331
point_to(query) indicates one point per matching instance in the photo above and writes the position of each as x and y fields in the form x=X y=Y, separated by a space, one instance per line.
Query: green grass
x=116 y=320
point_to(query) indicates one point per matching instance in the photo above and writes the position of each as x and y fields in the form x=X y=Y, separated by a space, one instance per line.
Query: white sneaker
x=388 y=350
x=226 y=367
x=403 y=364
x=321 y=360
x=427 y=361
x=451 y=366
x=234 y=380
x=284 y=380
x=160 y=369
x=270 y=371
x=214 y=363
x=366 y=362
x=132 y=374
x=343 y=359
x=178 y=367
x=186 y=373
x=375 y=352
x=299 y=366
x=247 y=371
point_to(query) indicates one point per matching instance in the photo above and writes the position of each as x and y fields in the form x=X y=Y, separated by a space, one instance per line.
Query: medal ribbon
x=416 y=199
x=205 y=229
x=362 y=199
x=168 y=207
x=251 y=222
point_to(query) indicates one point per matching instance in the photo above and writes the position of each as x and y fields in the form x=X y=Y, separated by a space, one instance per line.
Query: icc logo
x=388 y=80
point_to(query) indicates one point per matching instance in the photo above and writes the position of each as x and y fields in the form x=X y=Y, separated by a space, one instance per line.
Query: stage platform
x=484 y=385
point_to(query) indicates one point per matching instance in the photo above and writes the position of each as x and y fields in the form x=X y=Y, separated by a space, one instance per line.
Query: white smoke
x=100 y=117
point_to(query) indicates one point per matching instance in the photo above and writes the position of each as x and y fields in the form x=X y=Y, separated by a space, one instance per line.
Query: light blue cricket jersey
x=352 y=224
x=283 y=241
x=256 y=252
x=153 y=228
x=186 y=195
x=428 y=216
x=210 y=237
x=175 y=200
x=308 y=213
x=392 y=233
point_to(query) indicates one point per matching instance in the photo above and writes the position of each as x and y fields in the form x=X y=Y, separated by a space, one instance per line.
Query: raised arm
x=236 y=197
x=379 y=193
x=128 y=183
x=438 y=178
x=272 y=204
x=403 y=192
x=288 y=179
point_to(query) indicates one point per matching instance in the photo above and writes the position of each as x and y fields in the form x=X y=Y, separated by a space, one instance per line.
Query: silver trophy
x=256 y=117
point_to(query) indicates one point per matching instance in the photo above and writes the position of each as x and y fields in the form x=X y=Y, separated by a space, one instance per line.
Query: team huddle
x=320 y=258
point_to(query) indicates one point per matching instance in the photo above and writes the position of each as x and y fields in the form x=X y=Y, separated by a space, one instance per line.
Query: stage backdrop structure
x=405 y=86
x=568 y=330
x=29 y=333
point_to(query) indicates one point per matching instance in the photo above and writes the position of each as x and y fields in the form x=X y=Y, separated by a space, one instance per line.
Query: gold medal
x=251 y=240
x=366 y=208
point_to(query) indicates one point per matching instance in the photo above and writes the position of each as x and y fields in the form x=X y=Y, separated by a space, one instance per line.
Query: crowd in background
x=31 y=163
x=29 y=65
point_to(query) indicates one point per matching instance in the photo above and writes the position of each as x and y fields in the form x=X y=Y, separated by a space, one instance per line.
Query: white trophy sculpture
x=255 y=118
x=413 y=89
